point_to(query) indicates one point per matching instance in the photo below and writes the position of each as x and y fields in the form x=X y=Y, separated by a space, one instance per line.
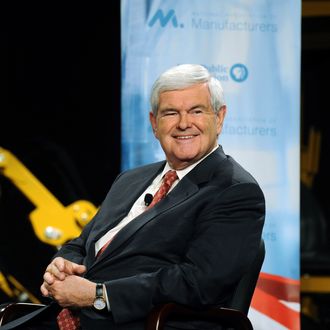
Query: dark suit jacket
x=190 y=248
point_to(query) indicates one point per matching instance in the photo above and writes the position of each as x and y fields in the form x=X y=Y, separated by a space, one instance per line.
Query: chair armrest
x=223 y=316
x=11 y=311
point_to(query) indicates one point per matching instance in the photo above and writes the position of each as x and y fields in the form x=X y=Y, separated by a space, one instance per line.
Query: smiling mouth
x=184 y=137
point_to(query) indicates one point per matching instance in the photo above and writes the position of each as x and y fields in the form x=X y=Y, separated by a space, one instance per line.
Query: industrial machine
x=53 y=223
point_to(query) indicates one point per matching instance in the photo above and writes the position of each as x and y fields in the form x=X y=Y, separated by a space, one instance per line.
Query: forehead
x=196 y=94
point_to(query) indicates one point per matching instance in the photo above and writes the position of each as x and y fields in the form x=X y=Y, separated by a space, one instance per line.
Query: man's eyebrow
x=198 y=106
x=171 y=108
x=168 y=109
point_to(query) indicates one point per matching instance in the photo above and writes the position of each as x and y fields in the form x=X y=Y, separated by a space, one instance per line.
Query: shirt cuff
x=106 y=297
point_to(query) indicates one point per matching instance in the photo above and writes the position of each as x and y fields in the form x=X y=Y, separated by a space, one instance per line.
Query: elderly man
x=182 y=230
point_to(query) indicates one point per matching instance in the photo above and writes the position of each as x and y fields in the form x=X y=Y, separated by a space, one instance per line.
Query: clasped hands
x=63 y=282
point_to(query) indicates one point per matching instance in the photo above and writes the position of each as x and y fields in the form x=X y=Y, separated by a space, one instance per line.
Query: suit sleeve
x=75 y=250
x=225 y=242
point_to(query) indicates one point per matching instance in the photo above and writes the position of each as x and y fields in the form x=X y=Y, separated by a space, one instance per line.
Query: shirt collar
x=185 y=171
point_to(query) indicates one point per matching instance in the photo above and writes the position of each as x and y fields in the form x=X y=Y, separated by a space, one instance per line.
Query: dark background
x=60 y=111
x=60 y=82
x=315 y=74
x=60 y=115
x=315 y=206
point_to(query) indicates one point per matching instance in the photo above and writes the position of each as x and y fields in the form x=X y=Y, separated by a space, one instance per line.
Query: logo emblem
x=165 y=19
x=239 y=72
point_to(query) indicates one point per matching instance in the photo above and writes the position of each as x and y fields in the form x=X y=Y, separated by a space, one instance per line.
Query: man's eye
x=196 y=111
x=169 y=113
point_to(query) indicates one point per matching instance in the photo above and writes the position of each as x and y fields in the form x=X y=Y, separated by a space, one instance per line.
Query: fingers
x=55 y=269
x=74 y=291
x=49 y=278
x=56 y=272
x=58 y=269
x=79 y=269
x=46 y=286
x=59 y=262
x=71 y=268
x=44 y=291
x=61 y=267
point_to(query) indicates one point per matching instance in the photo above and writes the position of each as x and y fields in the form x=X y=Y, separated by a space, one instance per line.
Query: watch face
x=99 y=303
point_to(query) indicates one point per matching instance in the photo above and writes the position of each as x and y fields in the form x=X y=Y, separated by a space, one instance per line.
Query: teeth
x=184 y=137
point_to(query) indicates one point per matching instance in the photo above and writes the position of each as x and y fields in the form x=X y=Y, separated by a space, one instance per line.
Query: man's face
x=186 y=126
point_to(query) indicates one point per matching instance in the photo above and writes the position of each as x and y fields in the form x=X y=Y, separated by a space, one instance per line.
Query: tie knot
x=170 y=177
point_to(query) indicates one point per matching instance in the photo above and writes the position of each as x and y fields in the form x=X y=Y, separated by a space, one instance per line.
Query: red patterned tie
x=103 y=248
x=168 y=180
x=66 y=320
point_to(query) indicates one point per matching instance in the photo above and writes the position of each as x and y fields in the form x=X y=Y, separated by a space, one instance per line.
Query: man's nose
x=184 y=121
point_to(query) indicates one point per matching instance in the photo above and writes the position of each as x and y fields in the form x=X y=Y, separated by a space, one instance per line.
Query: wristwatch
x=99 y=301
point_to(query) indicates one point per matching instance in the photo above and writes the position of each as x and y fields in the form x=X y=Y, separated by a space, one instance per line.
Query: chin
x=186 y=157
x=186 y=160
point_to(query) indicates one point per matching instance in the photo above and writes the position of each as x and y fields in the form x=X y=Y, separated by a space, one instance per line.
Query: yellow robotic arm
x=52 y=222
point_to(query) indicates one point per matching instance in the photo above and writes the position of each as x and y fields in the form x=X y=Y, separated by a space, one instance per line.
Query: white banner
x=253 y=48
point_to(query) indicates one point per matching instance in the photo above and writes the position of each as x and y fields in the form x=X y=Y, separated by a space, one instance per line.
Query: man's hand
x=73 y=291
x=58 y=270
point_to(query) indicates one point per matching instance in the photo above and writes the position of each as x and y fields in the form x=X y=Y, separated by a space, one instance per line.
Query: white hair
x=183 y=76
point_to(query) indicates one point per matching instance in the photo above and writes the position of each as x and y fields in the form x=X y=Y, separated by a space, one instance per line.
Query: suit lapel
x=126 y=194
x=186 y=188
x=179 y=194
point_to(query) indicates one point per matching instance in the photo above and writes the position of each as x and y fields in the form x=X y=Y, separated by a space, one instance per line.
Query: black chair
x=13 y=310
x=233 y=316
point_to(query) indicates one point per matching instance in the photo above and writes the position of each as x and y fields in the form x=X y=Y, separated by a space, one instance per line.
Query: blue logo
x=165 y=19
x=239 y=72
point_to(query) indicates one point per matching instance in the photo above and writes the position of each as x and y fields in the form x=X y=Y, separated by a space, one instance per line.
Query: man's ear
x=220 y=118
x=153 y=123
